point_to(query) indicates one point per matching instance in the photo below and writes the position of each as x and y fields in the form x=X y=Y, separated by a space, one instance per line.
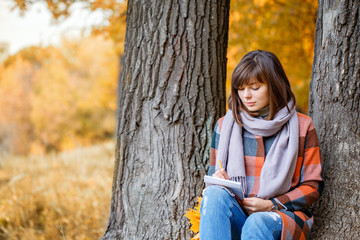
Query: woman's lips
x=250 y=103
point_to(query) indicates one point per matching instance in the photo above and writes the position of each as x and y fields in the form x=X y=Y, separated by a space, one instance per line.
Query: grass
x=59 y=196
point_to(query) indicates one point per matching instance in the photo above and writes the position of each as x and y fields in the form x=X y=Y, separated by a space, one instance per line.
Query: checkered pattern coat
x=307 y=183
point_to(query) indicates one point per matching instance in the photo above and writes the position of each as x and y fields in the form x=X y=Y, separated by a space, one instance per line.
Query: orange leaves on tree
x=113 y=11
x=286 y=28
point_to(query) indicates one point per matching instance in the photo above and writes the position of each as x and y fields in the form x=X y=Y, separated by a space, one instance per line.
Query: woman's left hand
x=254 y=204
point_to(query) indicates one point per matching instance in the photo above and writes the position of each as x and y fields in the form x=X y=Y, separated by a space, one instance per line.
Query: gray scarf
x=278 y=169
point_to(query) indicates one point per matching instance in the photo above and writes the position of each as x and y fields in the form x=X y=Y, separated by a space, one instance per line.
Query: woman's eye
x=240 y=89
x=255 y=86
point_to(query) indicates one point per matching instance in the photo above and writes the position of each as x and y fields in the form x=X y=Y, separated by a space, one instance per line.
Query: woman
x=271 y=149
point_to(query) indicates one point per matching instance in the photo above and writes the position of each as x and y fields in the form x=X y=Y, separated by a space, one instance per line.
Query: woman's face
x=254 y=95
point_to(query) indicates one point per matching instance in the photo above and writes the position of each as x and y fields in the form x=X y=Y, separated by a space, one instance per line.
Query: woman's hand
x=254 y=204
x=221 y=174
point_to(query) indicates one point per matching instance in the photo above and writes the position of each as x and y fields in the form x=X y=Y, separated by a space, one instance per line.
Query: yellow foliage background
x=286 y=28
x=59 y=98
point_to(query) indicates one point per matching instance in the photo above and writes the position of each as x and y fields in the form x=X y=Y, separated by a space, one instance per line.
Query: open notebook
x=234 y=187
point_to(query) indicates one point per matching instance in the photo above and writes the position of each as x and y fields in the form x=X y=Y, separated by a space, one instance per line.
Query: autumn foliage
x=193 y=215
x=284 y=27
x=58 y=98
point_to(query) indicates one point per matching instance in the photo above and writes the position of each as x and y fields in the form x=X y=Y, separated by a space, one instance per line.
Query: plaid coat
x=307 y=183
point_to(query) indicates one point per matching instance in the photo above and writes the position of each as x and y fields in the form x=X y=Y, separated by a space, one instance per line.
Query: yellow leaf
x=194 y=217
x=196 y=237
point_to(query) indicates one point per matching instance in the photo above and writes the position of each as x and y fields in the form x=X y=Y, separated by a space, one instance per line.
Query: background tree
x=335 y=109
x=172 y=92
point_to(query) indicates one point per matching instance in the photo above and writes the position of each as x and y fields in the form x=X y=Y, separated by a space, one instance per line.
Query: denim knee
x=262 y=225
x=215 y=197
x=256 y=219
x=221 y=214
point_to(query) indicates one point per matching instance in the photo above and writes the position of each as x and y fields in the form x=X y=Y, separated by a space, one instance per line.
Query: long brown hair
x=266 y=68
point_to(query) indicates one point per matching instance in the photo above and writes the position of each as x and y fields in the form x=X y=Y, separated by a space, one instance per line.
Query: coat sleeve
x=214 y=146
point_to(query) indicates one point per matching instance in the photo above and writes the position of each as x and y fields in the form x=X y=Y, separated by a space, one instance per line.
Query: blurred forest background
x=58 y=112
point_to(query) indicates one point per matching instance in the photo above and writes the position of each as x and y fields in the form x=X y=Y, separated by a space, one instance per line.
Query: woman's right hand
x=221 y=174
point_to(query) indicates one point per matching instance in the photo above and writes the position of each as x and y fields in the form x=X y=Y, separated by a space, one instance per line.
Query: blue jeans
x=222 y=218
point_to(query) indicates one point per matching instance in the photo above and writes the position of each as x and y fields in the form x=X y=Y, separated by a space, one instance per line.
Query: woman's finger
x=221 y=174
x=257 y=204
x=248 y=202
x=249 y=210
x=218 y=174
x=224 y=173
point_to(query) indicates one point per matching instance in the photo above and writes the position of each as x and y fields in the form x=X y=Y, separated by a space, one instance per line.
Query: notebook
x=234 y=187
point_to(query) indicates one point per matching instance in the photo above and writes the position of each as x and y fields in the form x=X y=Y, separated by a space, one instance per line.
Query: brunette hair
x=265 y=67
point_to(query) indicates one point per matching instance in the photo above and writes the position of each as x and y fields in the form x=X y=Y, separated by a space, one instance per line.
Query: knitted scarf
x=279 y=166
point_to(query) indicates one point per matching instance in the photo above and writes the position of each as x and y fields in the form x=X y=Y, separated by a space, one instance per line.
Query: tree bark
x=335 y=109
x=171 y=94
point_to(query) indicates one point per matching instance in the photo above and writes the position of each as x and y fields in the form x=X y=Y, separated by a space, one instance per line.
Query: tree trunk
x=172 y=92
x=335 y=109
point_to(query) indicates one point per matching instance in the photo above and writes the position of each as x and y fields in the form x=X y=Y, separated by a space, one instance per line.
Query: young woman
x=271 y=149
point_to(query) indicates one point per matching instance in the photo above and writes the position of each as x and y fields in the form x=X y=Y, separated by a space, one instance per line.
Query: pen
x=220 y=164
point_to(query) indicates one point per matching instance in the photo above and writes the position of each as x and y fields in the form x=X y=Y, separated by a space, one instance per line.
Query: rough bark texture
x=335 y=109
x=172 y=92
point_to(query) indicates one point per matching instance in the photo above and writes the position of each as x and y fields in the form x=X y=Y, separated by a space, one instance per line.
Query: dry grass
x=64 y=196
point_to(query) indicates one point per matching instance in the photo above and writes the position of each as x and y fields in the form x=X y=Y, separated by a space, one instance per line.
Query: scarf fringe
x=241 y=180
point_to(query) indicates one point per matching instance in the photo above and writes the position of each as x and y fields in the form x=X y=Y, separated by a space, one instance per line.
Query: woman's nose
x=247 y=93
